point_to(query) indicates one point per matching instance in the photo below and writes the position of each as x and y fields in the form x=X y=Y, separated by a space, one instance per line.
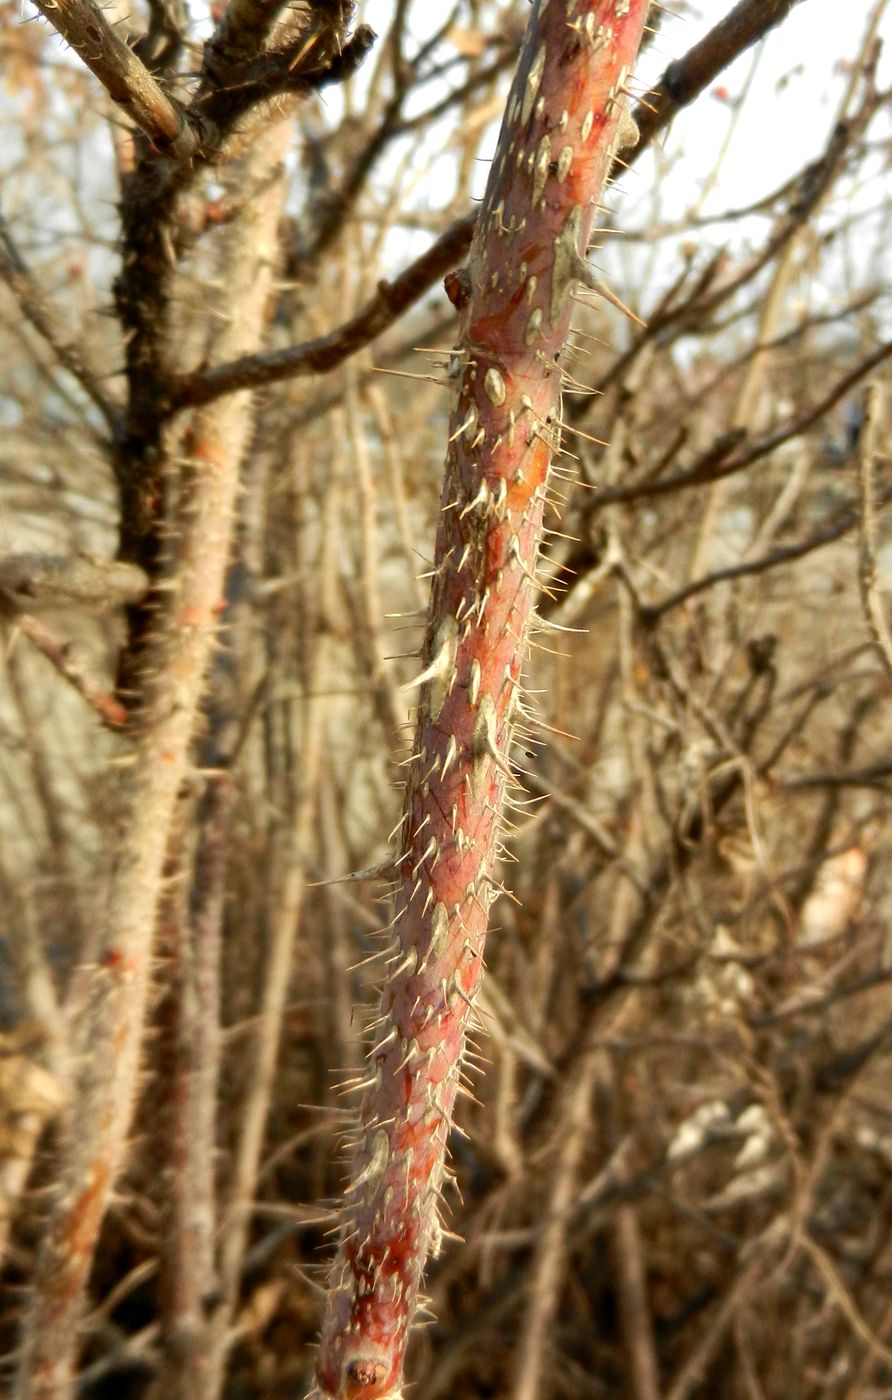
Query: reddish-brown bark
x=561 y=127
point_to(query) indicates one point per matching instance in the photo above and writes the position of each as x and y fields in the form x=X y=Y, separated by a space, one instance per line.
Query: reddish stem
x=559 y=132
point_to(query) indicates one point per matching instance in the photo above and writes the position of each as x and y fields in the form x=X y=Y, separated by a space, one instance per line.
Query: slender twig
x=49 y=324
x=64 y=660
x=553 y=1243
x=192 y=1041
x=718 y=462
x=868 y=448
x=687 y=77
x=837 y=529
x=320 y=356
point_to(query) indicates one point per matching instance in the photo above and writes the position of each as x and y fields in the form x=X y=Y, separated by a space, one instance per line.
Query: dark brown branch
x=713 y=465
x=242 y=32
x=276 y=73
x=873 y=776
x=162 y=43
x=784 y=554
x=320 y=356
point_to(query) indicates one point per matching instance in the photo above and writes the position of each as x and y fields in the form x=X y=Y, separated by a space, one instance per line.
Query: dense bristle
x=563 y=120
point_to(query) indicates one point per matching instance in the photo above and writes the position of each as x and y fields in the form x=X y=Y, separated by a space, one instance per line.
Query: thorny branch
x=686 y=1003
x=681 y=84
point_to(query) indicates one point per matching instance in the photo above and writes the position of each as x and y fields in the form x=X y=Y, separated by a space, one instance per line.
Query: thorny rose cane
x=563 y=122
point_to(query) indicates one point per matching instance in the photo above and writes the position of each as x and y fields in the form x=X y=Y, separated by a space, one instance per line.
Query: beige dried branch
x=287 y=876
x=191 y=1041
x=48 y=321
x=868 y=449
x=171 y=129
x=179 y=650
x=550 y=1255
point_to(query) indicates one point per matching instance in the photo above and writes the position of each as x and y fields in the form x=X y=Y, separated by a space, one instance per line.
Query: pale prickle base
x=559 y=133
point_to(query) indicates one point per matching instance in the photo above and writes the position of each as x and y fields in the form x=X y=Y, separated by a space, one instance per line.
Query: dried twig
x=171 y=129
x=63 y=658
x=868 y=448
x=49 y=324
x=180 y=649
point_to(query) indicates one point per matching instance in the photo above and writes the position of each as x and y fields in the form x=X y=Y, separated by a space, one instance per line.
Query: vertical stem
x=189 y=1247
x=561 y=127
x=288 y=878
x=179 y=650
x=550 y=1259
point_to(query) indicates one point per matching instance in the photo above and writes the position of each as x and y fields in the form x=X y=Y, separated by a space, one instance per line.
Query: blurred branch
x=48 y=323
x=49 y=579
x=867 y=560
x=714 y=463
x=686 y=78
x=301 y=68
x=320 y=356
x=162 y=43
x=845 y=522
x=61 y=657
x=244 y=28
x=873 y=776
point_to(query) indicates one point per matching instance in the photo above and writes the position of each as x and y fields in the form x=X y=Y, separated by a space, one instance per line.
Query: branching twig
x=320 y=356
x=171 y=129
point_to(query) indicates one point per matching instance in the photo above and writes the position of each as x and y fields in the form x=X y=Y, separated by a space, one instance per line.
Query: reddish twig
x=562 y=124
x=61 y=657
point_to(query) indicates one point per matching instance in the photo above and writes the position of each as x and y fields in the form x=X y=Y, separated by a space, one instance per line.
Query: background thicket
x=674 y=1175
